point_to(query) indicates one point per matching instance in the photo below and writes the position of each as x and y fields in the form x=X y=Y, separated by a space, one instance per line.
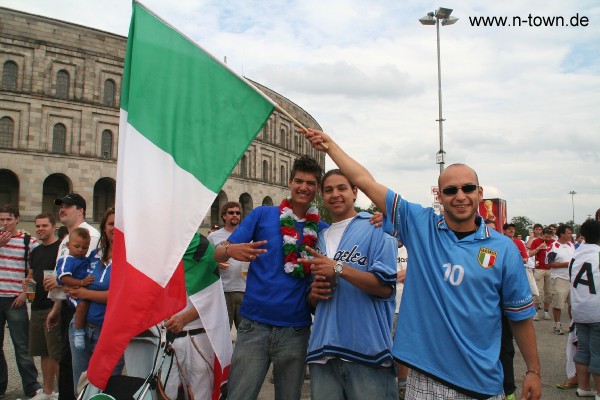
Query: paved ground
x=550 y=346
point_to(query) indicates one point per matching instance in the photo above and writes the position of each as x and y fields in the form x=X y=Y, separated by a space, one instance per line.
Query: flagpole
x=296 y=122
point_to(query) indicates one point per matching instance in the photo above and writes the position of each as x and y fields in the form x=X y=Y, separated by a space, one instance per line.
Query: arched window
x=215 y=209
x=246 y=202
x=7 y=132
x=267 y=201
x=109 y=93
x=9 y=187
x=282 y=136
x=265 y=171
x=62 y=84
x=244 y=167
x=295 y=143
x=59 y=138
x=107 y=144
x=9 y=76
x=55 y=187
x=283 y=176
x=104 y=197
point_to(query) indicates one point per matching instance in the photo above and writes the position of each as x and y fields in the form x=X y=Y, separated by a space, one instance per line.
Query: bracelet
x=226 y=246
x=533 y=372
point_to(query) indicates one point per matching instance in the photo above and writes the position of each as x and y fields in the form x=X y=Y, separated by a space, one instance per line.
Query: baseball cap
x=72 y=199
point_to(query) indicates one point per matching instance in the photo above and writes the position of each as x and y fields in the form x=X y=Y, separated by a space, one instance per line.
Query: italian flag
x=185 y=122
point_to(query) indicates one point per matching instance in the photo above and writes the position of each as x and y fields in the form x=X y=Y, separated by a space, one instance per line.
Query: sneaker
x=558 y=330
x=585 y=393
x=546 y=315
x=510 y=396
x=536 y=317
x=40 y=395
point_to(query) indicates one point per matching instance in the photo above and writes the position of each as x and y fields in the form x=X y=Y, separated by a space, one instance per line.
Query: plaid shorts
x=421 y=387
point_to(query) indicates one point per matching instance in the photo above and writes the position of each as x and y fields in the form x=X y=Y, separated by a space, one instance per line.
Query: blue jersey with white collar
x=354 y=325
x=454 y=295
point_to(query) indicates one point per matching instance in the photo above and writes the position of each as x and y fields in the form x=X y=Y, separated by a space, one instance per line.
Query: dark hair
x=62 y=232
x=590 y=230
x=509 y=225
x=335 y=171
x=562 y=228
x=103 y=243
x=50 y=217
x=228 y=205
x=10 y=209
x=598 y=215
x=538 y=226
x=309 y=165
x=81 y=232
x=552 y=226
x=547 y=231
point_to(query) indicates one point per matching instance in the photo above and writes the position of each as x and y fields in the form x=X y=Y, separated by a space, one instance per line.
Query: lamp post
x=434 y=18
x=573 y=193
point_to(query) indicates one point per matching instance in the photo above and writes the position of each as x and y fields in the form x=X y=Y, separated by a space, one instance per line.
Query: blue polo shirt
x=101 y=272
x=272 y=296
x=449 y=325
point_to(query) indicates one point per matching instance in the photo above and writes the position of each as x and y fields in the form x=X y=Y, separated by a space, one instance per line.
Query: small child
x=71 y=271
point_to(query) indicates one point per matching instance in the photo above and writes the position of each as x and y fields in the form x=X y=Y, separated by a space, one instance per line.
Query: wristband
x=533 y=372
x=226 y=246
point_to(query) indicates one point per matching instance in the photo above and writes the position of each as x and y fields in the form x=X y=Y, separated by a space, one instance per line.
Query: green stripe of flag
x=199 y=274
x=181 y=91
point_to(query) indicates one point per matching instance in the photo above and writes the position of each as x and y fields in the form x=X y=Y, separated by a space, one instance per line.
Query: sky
x=520 y=103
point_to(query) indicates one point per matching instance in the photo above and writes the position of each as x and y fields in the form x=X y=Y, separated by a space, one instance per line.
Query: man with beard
x=72 y=215
x=234 y=283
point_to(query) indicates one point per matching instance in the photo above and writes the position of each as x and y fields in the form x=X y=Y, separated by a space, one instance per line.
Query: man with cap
x=72 y=215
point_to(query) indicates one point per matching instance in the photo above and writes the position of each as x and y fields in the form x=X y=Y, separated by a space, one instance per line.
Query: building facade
x=59 y=122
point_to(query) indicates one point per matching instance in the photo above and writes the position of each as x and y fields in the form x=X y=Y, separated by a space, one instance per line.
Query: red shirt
x=521 y=246
x=540 y=257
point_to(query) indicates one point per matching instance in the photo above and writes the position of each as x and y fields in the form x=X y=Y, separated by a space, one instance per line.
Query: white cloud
x=520 y=103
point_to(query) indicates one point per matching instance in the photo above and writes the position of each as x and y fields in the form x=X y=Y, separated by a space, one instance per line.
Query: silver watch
x=338 y=268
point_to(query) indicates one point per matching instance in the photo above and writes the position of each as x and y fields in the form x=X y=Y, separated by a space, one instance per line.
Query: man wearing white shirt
x=72 y=215
x=559 y=256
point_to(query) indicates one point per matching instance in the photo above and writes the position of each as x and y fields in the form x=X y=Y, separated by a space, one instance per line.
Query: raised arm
x=355 y=172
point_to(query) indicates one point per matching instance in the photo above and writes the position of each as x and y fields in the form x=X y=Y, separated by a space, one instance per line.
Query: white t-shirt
x=333 y=236
x=402 y=263
x=585 y=275
x=560 y=253
x=232 y=278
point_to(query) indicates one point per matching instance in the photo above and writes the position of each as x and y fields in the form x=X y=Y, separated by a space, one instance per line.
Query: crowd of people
x=302 y=292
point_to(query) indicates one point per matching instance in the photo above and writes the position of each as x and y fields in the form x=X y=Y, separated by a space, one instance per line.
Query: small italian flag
x=186 y=120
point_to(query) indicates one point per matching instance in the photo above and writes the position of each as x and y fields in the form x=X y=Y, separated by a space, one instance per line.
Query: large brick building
x=59 y=122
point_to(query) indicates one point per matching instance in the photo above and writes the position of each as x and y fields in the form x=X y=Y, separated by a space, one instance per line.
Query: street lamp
x=573 y=193
x=434 y=18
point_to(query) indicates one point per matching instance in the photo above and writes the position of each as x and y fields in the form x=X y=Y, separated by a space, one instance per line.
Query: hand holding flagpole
x=297 y=123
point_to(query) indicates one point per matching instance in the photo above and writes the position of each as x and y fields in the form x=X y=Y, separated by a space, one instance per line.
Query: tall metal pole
x=573 y=193
x=440 y=156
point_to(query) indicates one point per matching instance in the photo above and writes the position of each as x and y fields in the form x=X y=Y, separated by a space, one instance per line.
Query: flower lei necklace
x=291 y=249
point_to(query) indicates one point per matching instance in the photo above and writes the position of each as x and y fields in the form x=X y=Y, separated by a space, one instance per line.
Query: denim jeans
x=18 y=325
x=342 y=380
x=256 y=347
x=81 y=358
x=588 y=346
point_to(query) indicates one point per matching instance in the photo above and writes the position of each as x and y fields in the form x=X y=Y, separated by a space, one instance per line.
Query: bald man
x=463 y=278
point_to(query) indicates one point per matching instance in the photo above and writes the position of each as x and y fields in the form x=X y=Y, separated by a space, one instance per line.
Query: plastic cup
x=30 y=291
x=245 y=267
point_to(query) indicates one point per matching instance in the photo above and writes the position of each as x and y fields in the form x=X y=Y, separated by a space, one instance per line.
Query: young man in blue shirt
x=350 y=347
x=463 y=277
x=276 y=318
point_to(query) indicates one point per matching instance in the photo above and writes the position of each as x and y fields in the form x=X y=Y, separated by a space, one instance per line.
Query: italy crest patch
x=486 y=257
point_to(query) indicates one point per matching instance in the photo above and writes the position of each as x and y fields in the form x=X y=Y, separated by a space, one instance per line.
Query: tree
x=523 y=225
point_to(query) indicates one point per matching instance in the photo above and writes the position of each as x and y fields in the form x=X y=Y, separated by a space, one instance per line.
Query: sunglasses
x=452 y=190
x=234 y=212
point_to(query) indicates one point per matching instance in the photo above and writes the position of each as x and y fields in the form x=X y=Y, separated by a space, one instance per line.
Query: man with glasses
x=463 y=278
x=234 y=283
